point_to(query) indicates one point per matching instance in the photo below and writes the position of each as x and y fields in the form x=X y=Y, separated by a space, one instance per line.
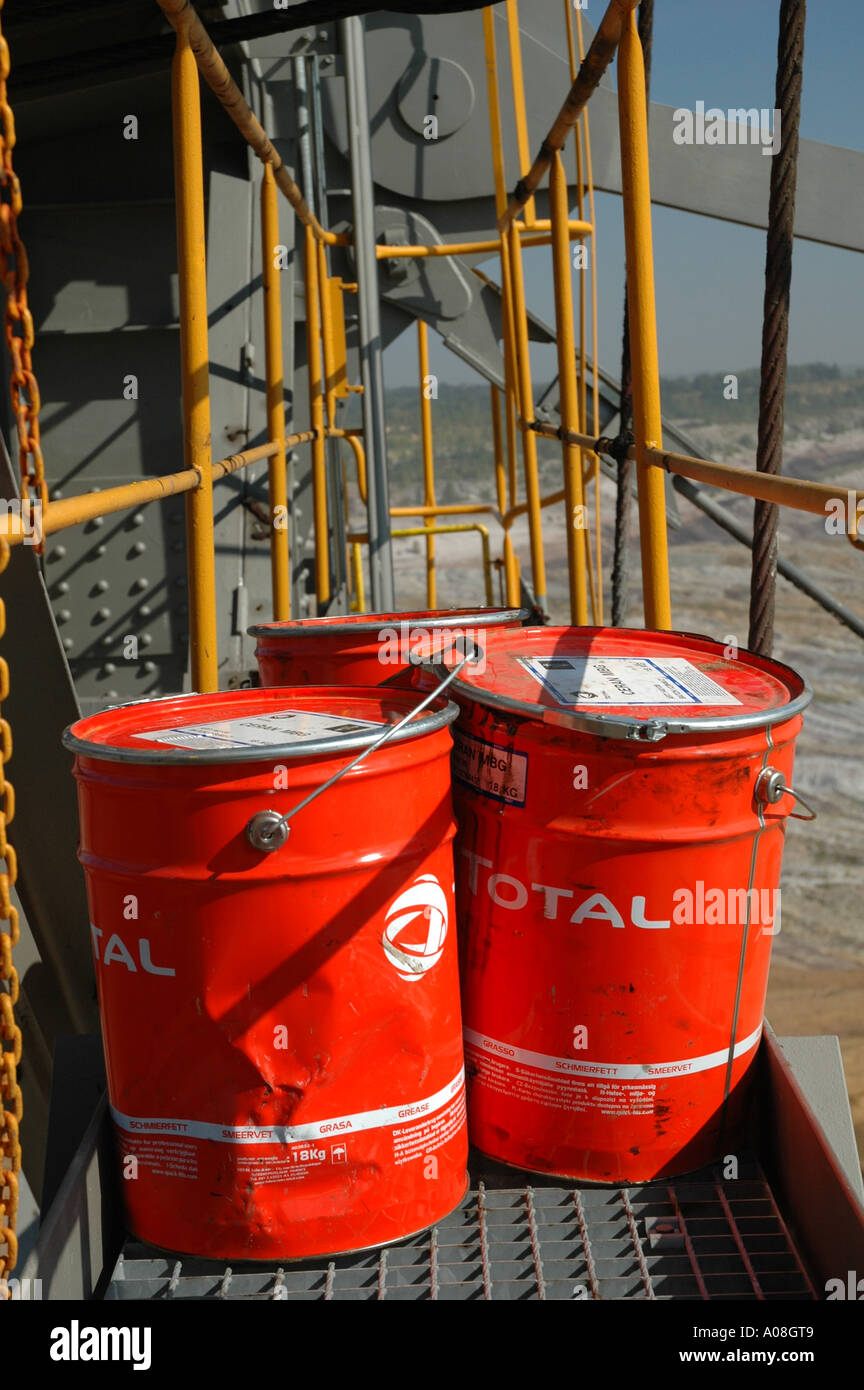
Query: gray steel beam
x=82 y=1233
x=817 y=1065
x=824 y=1206
x=725 y=181
x=335 y=503
x=372 y=370
x=40 y=704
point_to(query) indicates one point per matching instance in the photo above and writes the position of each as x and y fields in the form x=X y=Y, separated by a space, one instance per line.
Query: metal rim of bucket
x=448 y=619
x=345 y=743
x=620 y=726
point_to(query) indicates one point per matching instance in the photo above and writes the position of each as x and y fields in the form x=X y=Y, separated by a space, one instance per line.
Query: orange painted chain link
x=14 y=271
x=25 y=401
x=10 y=1033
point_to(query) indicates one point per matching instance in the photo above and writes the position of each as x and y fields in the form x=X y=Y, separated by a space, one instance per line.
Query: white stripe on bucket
x=628 y=1071
x=289 y=1134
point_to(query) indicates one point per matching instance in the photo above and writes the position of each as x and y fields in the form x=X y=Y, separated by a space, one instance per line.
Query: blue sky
x=710 y=274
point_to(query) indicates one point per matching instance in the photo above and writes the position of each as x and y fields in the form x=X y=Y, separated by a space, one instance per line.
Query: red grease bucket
x=370 y=648
x=621 y=825
x=281 y=1022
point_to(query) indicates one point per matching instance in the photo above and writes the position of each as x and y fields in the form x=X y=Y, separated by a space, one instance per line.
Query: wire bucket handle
x=268 y=831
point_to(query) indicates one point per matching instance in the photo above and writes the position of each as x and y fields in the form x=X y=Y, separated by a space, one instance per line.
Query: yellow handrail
x=797 y=493
x=358 y=538
x=539 y=234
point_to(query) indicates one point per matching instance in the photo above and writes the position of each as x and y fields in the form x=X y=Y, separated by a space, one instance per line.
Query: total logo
x=416 y=928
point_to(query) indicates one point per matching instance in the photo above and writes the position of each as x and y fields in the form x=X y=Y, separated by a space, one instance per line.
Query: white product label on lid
x=260 y=730
x=625 y=680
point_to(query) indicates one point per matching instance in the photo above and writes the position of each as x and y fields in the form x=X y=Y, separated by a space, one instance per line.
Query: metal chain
x=10 y=1033
x=14 y=271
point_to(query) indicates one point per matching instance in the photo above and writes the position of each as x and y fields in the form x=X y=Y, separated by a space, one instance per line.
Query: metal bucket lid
x=363 y=623
x=630 y=683
x=252 y=725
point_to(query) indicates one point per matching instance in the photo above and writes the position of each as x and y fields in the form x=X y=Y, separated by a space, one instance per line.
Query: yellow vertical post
x=525 y=398
x=428 y=462
x=498 y=450
x=511 y=561
x=568 y=388
x=512 y=442
x=357 y=567
x=511 y=570
x=584 y=132
x=636 y=191
x=194 y=362
x=590 y=464
x=316 y=419
x=275 y=387
x=327 y=335
x=522 y=142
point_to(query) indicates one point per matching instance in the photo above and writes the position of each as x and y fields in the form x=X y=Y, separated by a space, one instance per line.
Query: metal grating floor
x=699 y=1238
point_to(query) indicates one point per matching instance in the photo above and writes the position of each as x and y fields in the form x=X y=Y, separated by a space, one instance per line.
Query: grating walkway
x=699 y=1238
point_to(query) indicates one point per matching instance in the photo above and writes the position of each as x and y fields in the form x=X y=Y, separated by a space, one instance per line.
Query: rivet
x=138 y=548
x=58 y=553
x=101 y=585
x=149 y=667
x=68 y=644
x=145 y=610
x=145 y=640
x=109 y=668
x=140 y=584
x=138 y=519
x=63 y=615
x=103 y=613
x=62 y=587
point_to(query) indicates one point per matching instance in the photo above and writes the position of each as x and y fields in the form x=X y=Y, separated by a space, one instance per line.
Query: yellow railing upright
x=194 y=360
x=636 y=202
